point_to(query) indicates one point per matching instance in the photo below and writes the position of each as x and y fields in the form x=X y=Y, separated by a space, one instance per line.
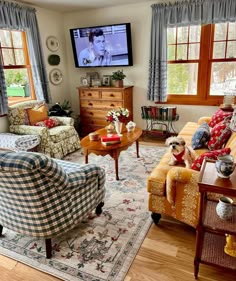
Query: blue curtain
x=14 y=16
x=192 y=12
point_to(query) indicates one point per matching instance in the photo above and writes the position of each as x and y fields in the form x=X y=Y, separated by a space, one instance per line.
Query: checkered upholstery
x=44 y=197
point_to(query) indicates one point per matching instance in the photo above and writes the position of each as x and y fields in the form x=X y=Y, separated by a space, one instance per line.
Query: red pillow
x=219 y=116
x=49 y=123
x=197 y=164
x=219 y=136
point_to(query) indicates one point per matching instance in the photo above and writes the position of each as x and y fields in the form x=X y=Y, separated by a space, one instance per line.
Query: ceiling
x=77 y=5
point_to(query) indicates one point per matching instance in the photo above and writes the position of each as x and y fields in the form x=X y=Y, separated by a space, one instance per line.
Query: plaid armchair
x=55 y=142
x=44 y=197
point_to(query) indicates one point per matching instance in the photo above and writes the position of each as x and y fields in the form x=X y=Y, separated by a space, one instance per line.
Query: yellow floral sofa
x=55 y=142
x=173 y=191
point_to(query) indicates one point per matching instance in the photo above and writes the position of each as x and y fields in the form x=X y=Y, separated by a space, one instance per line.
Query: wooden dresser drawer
x=101 y=104
x=111 y=95
x=94 y=113
x=94 y=121
x=89 y=94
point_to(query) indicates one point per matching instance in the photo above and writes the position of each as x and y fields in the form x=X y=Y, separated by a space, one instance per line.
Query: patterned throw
x=100 y=248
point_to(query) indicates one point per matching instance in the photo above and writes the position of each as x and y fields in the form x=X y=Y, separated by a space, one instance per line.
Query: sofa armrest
x=69 y=121
x=204 y=119
x=183 y=178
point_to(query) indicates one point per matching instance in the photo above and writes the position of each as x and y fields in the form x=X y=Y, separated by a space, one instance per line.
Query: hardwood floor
x=166 y=254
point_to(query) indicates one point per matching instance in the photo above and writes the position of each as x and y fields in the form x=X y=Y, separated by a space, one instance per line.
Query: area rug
x=103 y=247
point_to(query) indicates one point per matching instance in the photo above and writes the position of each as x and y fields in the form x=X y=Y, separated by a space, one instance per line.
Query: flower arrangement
x=120 y=114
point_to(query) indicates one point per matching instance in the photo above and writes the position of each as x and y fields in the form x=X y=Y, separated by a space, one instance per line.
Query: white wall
x=139 y=15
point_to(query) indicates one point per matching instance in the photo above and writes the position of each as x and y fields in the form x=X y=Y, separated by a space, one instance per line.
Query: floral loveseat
x=58 y=135
x=173 y=190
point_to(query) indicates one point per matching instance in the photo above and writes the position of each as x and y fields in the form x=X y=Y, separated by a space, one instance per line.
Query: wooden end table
x=211 y=230
x=114 y=150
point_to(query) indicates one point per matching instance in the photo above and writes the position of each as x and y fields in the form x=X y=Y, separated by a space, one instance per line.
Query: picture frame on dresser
x=106 y=80
x=84 y=81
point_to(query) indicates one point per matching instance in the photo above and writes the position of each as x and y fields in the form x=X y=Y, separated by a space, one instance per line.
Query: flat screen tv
x=102 y=46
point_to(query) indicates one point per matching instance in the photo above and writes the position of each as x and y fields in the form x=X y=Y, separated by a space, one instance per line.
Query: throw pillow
x=219 y=136
x=37 y=114
x=197 y=164
x=56 y=120
x=201 y=136
x=219 y=116
x=49 y=123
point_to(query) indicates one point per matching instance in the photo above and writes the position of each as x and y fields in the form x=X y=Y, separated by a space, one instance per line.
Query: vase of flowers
x=118 y=117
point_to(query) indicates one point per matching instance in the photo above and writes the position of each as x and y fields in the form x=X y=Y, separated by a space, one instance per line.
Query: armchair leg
x=155 y=217
x=99 y=208
x=1 y=228
x=48 y=243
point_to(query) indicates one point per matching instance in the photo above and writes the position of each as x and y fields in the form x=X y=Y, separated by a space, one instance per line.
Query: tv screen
x=102 y=46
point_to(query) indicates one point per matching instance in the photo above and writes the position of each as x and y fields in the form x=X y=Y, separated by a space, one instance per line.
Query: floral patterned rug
x=102 y=247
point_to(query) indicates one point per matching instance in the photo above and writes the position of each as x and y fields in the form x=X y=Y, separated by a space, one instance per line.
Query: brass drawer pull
x=111 y=95
x=90 y=104
x=89 y=94
x=90 y=113
x=112 y=105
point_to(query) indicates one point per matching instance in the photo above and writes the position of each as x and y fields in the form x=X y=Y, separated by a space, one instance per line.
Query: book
x=107 y=143
x=110 y=138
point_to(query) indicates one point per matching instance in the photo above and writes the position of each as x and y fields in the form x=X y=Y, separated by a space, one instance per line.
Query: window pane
x=182 y=52
x=8 y=57
x=231 y=50
x=182 y=78
x=193 y=51
x=17 y=39
x=232 y=31
x=182 y=34
x=220 y=31
x=20 y=59
x=219 y=50
x=194 y=34
x=171 y=35
x=221 y=72
x=171 y=52
x=5 y=38
x=17 y=82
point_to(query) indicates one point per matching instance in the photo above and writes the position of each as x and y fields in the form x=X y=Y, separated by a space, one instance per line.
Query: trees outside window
x=16 y=64
x=201 y=63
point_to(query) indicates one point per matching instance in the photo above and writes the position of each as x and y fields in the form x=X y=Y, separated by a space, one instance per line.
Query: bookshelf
x=160 y=120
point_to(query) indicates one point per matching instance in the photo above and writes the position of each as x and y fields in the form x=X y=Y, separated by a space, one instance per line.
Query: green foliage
x=66 y=106
x=118 y=75
x=15 y=77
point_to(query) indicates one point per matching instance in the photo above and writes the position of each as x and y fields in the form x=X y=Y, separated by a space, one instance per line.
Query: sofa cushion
x=197 y=164
x=219 y=116
x=219 y=136
x=201 y=136
x=37 y=114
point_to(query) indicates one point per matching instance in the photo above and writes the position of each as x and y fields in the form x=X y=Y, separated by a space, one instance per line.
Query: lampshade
x=233 y=121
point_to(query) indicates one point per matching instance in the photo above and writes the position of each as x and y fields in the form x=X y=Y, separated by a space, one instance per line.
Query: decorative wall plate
x=54 y=60
x=55 y=76
x=52 y=43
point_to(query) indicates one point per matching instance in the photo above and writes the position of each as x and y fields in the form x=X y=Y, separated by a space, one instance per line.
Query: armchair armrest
x=183 y=178
x=29 y=130
x=69 y=121
x=204 y=119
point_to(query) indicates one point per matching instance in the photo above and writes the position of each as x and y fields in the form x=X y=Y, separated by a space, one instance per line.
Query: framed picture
x=55 y=76
x=92 y=75
x=106 y=80
x=96 y=82
x=84 y=81
x=52 y=43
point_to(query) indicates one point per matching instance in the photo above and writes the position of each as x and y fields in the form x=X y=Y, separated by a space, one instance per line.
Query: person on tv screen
x=95 y=54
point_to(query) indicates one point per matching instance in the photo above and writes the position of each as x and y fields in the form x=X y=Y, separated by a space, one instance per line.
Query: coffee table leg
x=86 y=156
x=137 y=148
x=116 y=168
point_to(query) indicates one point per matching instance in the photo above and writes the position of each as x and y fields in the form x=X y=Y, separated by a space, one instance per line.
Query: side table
x=211 y=230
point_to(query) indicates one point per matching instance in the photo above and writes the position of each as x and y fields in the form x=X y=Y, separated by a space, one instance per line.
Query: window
x=201 y=63
x=16 y=64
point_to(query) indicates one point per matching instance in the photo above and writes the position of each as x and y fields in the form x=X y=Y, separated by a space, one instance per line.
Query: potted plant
x=118 y=77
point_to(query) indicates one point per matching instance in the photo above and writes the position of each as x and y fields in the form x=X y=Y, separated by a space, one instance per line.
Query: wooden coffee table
x=114 y=150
